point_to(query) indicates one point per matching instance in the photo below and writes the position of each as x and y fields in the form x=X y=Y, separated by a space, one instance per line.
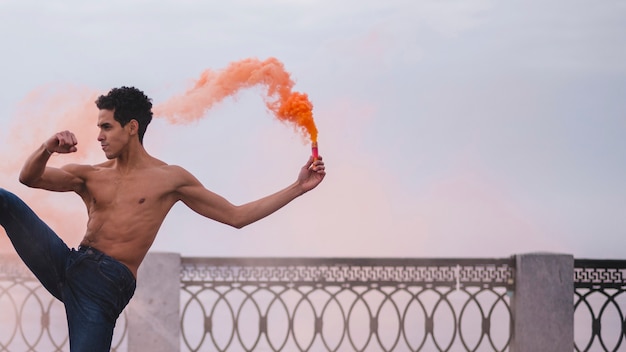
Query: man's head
x=128 y=103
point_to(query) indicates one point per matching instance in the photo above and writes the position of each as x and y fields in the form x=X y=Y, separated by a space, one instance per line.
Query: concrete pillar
x=153 y=313
x=542 y=304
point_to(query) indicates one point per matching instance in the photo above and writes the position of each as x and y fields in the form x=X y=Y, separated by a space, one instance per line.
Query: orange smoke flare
x=314 y=151
x=212 y=87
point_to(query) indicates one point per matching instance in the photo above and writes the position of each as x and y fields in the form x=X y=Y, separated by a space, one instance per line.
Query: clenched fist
x=61 y=142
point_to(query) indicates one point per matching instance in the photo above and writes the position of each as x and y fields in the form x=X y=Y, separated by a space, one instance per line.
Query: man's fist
x=62 y=142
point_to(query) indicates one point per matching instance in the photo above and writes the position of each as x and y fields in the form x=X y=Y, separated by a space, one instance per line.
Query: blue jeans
x=94 y=287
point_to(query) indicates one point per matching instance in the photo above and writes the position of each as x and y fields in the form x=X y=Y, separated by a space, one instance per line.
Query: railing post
x=542 y=304
x=154 y=312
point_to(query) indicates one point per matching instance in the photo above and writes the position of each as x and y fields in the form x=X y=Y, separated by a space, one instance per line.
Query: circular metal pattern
x=298 y=323
x=599 y=305
x=603 y=309
x=311 y=305
x=321 y=305
x=33 y=320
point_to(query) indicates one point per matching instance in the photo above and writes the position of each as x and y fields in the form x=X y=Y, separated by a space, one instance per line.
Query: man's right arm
x=36 y=174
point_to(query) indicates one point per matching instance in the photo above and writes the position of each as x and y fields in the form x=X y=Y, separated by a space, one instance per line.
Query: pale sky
x=463 y=128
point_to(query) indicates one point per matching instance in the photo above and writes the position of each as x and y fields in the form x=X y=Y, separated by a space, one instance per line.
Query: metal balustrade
x=600 y=305
x=31 y=319
x=243 y=304
x=332 y=304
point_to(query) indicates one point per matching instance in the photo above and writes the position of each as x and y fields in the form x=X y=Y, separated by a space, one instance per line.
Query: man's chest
x=107 y=189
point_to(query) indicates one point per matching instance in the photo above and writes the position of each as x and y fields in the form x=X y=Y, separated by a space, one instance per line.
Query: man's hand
x=62 y=142
x=36 y=174
x=311 y=174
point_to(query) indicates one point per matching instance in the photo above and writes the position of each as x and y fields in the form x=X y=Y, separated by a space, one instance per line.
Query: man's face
x=112 y=137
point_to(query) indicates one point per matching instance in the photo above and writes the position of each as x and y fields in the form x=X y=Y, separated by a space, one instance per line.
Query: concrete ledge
x=154 y=311
x=542 y=304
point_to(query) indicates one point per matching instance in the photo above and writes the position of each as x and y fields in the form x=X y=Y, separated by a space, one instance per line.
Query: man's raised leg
x=43 y=252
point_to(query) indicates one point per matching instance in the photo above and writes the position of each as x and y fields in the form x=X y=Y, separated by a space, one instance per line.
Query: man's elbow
x=30 y=181
x=27 y=181
x=237 y=217
x=238 y=224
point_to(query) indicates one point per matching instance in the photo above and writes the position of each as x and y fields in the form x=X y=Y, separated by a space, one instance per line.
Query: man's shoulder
x=172 y=169
x=156 y=166
x=79 y=168
x=175 y=175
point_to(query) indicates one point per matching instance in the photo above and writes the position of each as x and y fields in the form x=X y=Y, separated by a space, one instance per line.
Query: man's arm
x=215 y=207
x=36 y=174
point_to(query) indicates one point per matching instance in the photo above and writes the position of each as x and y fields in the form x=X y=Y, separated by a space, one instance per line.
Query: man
x=127 y=198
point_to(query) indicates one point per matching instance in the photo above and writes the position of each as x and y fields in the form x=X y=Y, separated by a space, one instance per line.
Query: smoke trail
x=49 y=109
x=212 y=87
x=41 y=113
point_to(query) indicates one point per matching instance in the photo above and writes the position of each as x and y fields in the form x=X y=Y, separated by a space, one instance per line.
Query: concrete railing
x=541 y=306
x=543 y=312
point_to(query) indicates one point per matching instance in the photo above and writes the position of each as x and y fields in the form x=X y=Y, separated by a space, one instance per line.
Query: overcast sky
x=449 y=128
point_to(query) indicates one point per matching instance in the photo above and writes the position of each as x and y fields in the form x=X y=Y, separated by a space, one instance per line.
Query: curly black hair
x=128 y=103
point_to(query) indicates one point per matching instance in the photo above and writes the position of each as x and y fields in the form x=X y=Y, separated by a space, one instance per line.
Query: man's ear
x=133 y=127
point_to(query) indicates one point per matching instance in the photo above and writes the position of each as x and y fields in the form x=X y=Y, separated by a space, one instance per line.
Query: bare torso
x=126 y=210
x=128 y=196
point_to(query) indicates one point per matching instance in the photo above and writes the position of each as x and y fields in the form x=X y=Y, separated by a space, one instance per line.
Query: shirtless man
x=127 y=198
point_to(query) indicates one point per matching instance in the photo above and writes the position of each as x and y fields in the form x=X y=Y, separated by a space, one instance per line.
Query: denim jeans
x=94 y=287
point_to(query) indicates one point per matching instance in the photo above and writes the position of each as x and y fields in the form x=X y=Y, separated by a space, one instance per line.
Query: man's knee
x=8 y=201
x=4 y=196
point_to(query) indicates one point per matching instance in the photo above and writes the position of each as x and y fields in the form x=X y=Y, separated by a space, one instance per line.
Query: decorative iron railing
x=599 y=303
x=31 y=319
x=239 y=304
x=243 y=304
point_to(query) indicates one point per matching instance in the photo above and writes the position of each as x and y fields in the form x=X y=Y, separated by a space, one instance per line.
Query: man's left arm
x=215 y=207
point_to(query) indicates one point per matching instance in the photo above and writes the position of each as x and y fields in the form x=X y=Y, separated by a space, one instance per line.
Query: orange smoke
x=39 y=115
x=212 y=87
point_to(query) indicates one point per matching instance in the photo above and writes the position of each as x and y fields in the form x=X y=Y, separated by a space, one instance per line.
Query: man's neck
x=132 y=158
